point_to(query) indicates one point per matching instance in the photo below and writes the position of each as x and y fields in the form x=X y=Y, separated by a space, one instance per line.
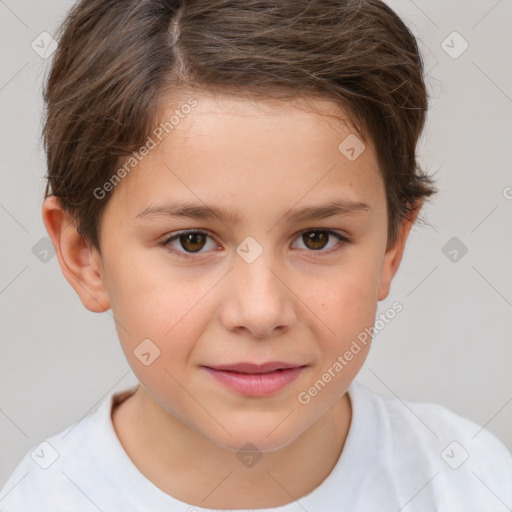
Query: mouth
x=255 y=380
x=255 y=368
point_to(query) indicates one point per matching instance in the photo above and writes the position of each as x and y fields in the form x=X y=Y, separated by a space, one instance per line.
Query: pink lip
x=254 y=368
x=255 y=380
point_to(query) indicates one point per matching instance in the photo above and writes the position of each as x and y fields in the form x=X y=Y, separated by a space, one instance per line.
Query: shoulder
x=63 y=469
x=461 y=461
x=43 y=473
x=434 y=425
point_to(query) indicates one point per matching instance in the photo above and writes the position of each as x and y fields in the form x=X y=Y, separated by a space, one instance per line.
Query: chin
x=266 y=437
x=258 y=443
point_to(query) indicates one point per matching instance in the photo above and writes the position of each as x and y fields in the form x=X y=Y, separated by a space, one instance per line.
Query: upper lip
x=254 y=368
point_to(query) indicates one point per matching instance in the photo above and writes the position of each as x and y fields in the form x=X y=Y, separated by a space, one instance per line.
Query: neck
x=191 y=468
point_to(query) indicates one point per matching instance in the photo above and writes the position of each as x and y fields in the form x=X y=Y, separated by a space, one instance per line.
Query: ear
x=393 y=255
x=80 y=264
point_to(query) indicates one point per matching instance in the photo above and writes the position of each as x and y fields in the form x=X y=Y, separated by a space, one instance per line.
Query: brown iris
x=315 y=239
x=193 y=242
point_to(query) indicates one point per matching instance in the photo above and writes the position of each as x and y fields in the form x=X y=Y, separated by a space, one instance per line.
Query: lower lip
x=256 y=384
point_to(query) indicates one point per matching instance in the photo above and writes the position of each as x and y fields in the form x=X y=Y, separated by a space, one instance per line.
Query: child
x=278 y=137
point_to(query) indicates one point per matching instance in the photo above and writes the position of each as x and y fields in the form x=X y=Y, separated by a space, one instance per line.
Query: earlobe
x=80 y=264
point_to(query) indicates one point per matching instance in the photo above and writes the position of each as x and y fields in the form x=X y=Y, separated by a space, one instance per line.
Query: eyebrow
x=203 y=212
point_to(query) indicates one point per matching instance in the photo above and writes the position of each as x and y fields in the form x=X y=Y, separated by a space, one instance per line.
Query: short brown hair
x=117 y=59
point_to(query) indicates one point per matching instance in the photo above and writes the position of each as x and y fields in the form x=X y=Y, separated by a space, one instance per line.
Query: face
x=256 y=281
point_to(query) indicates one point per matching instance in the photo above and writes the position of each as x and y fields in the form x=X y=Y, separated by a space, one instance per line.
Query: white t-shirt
x=398 y=456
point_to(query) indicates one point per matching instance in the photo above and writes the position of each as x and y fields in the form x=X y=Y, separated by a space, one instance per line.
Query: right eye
x=320 y=239
x=191 y=240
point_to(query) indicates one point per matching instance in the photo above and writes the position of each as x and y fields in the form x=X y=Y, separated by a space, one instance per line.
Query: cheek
x=348 y=299
x=150 y=302
x=153 y=295
x=163 y=323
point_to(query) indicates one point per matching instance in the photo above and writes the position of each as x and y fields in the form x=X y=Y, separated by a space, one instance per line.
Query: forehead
x=253 y=153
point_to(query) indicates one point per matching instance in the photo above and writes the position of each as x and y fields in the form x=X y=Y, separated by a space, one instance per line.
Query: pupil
x=190 y=239
x=318 y=238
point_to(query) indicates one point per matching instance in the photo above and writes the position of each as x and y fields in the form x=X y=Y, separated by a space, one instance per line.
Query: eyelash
x=338 y=247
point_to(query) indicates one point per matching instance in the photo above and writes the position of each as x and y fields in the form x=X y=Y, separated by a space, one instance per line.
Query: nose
x=258 y=299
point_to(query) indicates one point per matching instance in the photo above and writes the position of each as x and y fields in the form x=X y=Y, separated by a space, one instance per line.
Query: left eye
x=191 y=241
x=314 y=239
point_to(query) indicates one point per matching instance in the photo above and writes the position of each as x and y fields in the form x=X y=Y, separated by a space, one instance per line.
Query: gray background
x=450 y=345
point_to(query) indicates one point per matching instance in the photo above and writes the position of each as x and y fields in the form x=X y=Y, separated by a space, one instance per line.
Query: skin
x=182 y=428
